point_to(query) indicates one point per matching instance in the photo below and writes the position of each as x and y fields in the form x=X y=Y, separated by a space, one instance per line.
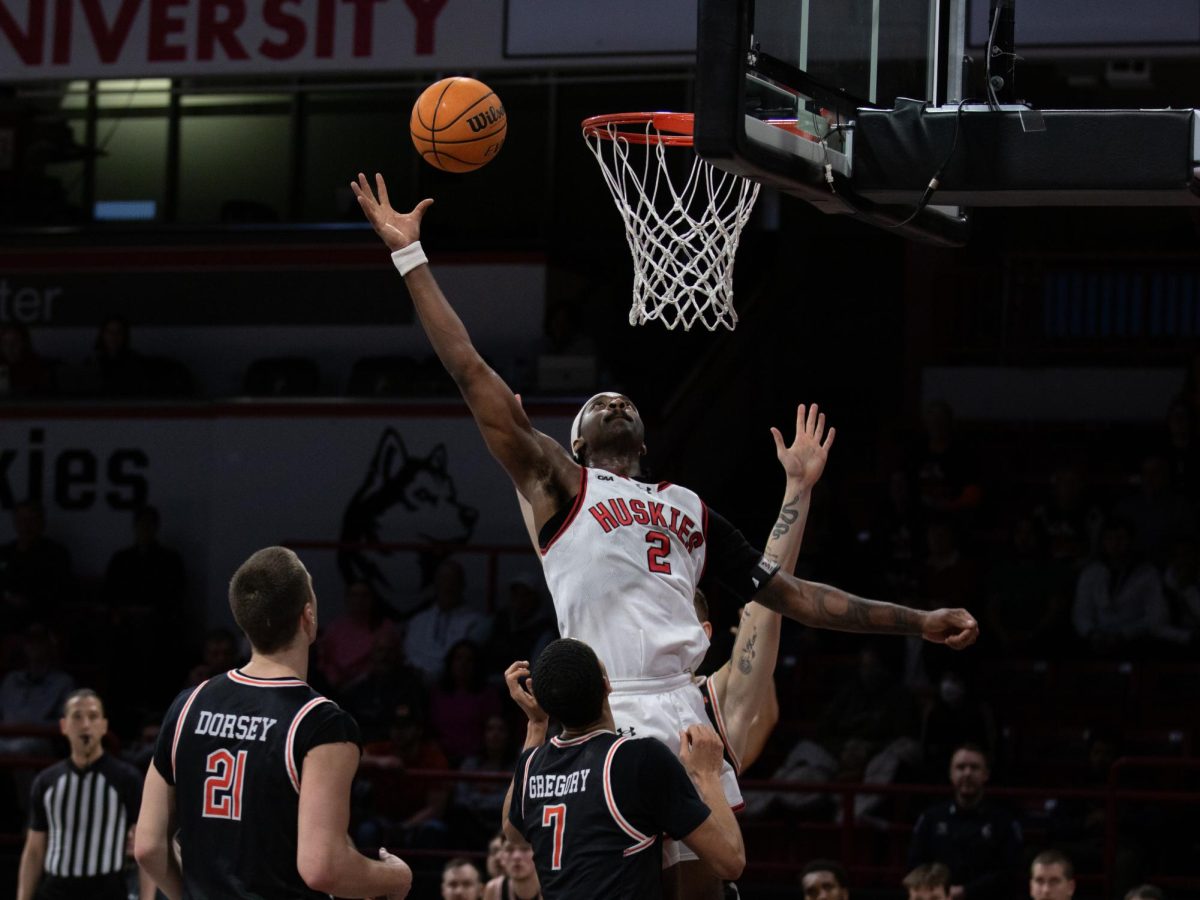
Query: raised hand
x=398 y=230
x=956 y=628
x=804 y=460
x=522 y=693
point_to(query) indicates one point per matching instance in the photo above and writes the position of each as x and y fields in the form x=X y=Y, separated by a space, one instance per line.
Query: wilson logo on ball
x=482 y=120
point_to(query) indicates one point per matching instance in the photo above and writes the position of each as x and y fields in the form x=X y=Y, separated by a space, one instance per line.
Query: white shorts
x=661 y=708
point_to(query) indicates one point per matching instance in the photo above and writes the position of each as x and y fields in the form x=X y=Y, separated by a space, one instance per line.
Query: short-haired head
x=1145 y=892
x=827 y=865
x=1048 y=858
x=460 y=880
x=569 y=683
x=81 y=694
x=824 y=879
x=268 y=594
x=928 y=877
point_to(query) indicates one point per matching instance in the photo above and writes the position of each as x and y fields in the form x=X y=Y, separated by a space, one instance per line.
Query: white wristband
x=408 y=258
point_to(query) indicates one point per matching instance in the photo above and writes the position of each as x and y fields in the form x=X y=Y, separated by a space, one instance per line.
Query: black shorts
x=99 y=887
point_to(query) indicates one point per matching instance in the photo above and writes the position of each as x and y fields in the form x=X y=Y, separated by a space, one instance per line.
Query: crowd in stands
x=1086 y=586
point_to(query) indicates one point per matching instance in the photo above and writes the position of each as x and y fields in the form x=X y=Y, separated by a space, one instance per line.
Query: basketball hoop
x=682 y=232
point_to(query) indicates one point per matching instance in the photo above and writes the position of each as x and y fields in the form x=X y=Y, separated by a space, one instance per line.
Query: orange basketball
x=458 y=124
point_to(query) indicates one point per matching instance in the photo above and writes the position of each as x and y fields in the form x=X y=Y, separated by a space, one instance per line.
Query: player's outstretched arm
x=325 y=858
x=538 y=465
x=33 y=856
x=152 y=840
x=822 y=606
x=745 y=685
x=718 y=839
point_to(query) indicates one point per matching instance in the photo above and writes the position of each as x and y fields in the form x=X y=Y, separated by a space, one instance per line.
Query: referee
x=81 y=813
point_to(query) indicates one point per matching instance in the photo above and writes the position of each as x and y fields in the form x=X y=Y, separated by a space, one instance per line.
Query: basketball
x=458 y=124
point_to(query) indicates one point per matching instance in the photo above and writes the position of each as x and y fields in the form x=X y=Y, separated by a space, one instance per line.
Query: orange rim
x=671 y=129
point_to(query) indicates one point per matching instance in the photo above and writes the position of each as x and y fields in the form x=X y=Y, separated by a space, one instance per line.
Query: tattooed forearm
x=746 y=662
x=825 y=607
x=787 y=518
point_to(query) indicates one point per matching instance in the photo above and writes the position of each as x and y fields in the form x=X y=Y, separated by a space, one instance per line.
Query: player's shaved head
x=568 y=683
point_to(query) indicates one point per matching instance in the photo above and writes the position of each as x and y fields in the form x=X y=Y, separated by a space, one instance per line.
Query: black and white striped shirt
x=86 y=814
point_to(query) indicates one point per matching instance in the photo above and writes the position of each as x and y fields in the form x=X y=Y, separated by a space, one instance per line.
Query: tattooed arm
x=745 y=686
x=822 y=606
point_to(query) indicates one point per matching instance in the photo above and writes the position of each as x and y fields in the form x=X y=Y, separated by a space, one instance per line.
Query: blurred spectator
x=32 y=697
x=824 y=879
x=956 y=717
x=1145 y=892
x=35 y=571
x=492 y=868
x=928 y=882
x=1158 y=512
x=1078 y=826
x=461 y=702
x=143 y=589
x=899 y=534
x=388 y=682
x=1069 y=518
x=1118 y=599
x=1181 y=584
x=977 y=840
x=345 y=646
x=1182 y=449
x=33 y=694
x=407 y=811
x=946 y=469
x=461 y=881
x=22 y=372
x=1027 y=596
x=520 y=880
x=433 y=631
x=478 y=804
x=218 y=656
x=867 y=733
x=115 y=368
x=523 y=628
x=1051 y=877
x=146 y=579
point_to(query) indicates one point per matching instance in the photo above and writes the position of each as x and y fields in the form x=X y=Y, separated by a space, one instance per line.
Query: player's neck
x=604 y=723
x=289 y=662
x=629 y=466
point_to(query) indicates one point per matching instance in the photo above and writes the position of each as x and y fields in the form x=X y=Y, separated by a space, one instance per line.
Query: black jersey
x=595 y=808
x=716 y=716
x=234 y=748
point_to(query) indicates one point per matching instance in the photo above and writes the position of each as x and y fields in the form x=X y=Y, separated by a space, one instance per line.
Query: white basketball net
x=683 y=240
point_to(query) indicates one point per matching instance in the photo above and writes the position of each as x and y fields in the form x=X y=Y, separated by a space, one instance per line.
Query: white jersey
x=623 y=570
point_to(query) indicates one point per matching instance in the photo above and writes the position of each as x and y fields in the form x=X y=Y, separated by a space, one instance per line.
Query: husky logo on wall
x=404 y=499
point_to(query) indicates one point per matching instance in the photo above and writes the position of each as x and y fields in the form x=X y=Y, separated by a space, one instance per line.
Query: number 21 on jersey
x=223 y=787
x=556 y=817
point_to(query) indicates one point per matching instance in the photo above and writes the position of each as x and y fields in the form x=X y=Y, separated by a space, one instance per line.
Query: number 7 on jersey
x=556 y=817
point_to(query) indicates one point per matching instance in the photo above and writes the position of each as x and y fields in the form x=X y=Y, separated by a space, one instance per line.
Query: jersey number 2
x=223 y=787
x=656 y=556
x=556 y=817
